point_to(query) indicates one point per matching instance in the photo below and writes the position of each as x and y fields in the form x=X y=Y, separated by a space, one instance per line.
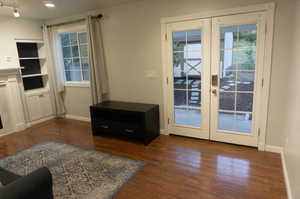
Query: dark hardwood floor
x=178 y=167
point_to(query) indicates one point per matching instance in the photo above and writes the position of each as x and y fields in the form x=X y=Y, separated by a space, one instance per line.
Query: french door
x=216 y=66
x=189 y=53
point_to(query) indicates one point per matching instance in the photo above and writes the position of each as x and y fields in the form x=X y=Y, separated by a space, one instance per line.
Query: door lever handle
x=214 y=91
x=214 y=80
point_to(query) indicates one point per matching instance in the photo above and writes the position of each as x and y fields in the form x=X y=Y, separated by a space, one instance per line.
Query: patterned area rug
x=77 y=173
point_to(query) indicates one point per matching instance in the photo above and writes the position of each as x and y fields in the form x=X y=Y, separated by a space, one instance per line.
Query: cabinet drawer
x=104 y=127
x=131 y=131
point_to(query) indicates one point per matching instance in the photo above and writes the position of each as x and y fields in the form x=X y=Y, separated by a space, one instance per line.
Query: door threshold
x=213 y=141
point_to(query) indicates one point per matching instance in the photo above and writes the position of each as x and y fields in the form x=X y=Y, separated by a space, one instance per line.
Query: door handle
x=214 y=80
x=129 y=131
x=214 y=91
x=104 y=126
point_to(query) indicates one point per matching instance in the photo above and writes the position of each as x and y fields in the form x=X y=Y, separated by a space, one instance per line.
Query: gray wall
x=77 y=101
x=292 y=117
x=133 y=47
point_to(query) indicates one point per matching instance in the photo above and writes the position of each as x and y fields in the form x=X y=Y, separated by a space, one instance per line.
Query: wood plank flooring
x=179 y=168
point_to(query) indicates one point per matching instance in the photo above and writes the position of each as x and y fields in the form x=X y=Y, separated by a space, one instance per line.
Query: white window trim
x=83 y=84
x=269 y=8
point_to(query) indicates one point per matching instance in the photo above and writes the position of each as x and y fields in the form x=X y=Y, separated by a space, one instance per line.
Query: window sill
x=78 y=84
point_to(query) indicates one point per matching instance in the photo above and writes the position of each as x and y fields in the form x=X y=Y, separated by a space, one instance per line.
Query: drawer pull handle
x=104 y=126
x=129 y=131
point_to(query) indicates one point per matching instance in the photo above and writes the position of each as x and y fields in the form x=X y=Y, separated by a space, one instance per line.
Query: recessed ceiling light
x=16 y=13
x=49 y=4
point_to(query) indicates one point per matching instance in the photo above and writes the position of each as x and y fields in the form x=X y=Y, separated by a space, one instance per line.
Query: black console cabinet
x=126 y=120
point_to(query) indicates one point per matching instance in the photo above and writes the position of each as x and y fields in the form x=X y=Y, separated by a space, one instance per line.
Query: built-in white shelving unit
x=34 y=73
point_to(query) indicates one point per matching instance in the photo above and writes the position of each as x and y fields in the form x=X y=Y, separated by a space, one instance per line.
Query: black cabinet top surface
x=125 y=106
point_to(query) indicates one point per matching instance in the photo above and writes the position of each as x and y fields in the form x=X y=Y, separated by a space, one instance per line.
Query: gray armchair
x=37 y=185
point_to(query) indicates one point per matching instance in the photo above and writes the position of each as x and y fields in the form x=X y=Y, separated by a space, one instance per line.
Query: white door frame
x=269 y=10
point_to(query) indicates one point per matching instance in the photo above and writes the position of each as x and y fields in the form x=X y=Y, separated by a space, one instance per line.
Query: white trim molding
x=280 y=150
x=164 y=132
x=219 y=13
x=79 y=118
x=286 y=176
x=78 y=84
x=40 y=121
x=274 y=149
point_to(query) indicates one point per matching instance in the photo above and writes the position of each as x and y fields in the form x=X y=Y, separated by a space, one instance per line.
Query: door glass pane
x=228 y=60
x=245 y=81
x=194 y=40
x=180 y=97
x=240 y=122
x=228 y=81
x=179 y=62
x=194 y=80
x=194 y=98
x=229 y=37
x=180 y=80
x=227 y=101
x=246 y=59
x=179 y=41
x=247 y=35
x=193 y=60
x=244 y=102
x=187 y=61
x=237 y=77
x=189 y=117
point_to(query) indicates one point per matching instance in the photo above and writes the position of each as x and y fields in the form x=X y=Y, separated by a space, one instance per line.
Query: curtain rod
x=100 y=16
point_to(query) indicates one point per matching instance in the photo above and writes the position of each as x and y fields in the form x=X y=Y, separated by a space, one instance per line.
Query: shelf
x=33 y=75
x=37 y=91
x=28 y=58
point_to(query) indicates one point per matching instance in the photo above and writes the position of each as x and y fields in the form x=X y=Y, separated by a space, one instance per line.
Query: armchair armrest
x=37 y=185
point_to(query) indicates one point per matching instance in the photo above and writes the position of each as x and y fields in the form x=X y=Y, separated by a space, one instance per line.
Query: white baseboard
x=20 y=127
x=24 y=126
x=7 y=133
x=40 y=120
x=280 y=150
x=286 y=176
x=75 y=117
x=164 y=132
x=274 y=149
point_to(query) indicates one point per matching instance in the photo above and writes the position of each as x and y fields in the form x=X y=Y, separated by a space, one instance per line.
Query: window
x=75 y=56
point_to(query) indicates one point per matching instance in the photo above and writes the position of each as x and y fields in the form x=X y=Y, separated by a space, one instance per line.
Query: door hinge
x=166 y=36
x=266 y=28
x=168 y=120
x=262 y=83
x=167 y=80
x=258 y=132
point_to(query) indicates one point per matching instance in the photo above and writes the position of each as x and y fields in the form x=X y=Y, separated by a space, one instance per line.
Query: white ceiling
x=36 y=10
